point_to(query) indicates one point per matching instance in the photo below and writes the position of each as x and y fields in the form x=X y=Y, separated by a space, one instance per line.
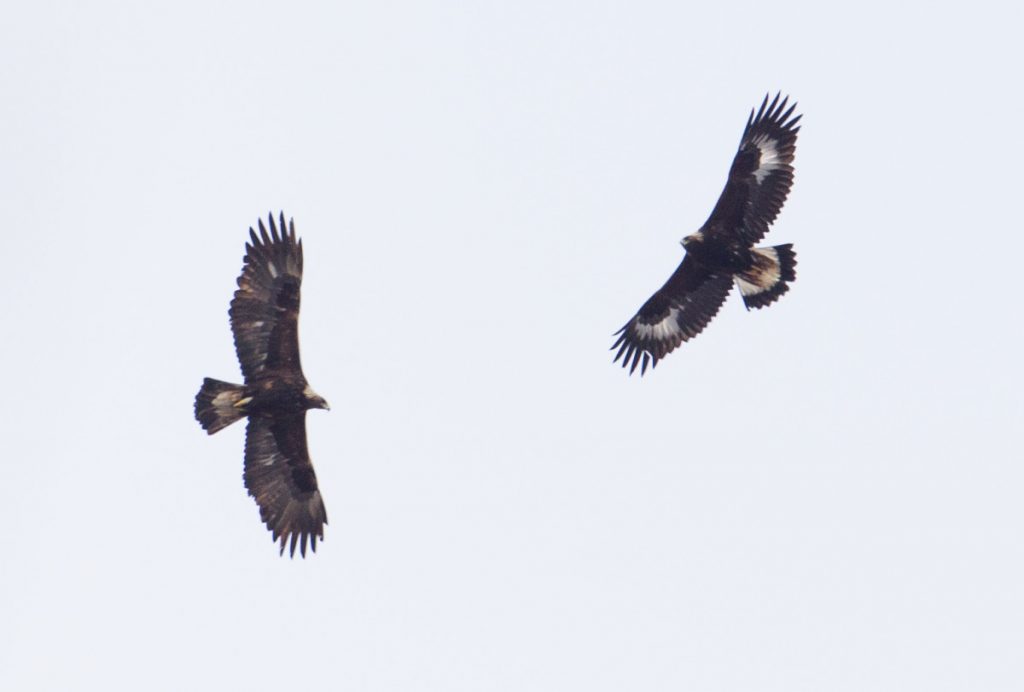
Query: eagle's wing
x=279 y=474
x=265 y=310
x=760 y=177
x=677 y=312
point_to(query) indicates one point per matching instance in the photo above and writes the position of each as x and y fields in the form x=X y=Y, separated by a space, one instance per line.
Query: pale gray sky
x=822 y=495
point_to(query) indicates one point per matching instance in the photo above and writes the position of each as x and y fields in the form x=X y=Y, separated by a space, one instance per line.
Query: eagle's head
x=692 y=239
x=314 y=400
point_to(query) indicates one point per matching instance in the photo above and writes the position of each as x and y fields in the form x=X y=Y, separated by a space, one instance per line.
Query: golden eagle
x=275 y=397
x=722 y=251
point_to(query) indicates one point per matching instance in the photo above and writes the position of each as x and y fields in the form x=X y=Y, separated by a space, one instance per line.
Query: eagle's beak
x=322 y=403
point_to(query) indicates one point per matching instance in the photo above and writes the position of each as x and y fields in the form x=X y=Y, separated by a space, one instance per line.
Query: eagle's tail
x=767 y=280
x=217 y=404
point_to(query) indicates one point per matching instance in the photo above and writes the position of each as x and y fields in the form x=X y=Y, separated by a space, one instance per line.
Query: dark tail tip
x=769 y=278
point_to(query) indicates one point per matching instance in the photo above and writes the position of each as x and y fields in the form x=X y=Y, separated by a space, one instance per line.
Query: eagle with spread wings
x=722 y=252
x=275 y=397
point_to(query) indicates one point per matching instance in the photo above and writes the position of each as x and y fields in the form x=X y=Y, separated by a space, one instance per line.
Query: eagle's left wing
x=677 y=312
x=760 y=177
x=279 y=475
x=265 y=310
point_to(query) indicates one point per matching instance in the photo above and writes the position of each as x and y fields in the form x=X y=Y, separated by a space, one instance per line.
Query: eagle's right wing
x=279 y=475
x=760 y=177
x=265 y=310
x=677 y=312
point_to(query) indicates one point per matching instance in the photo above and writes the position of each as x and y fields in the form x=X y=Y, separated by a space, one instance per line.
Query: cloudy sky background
x=822 y=495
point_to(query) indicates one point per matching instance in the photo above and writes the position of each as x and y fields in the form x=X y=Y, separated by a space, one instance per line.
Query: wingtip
x=274 y=234
x=267 y=237
x=300 y=540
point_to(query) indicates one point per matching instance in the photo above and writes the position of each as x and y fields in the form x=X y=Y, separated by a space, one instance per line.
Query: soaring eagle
x=722 y=251
x=275 y=397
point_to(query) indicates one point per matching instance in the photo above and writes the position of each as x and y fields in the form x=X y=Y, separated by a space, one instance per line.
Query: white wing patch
x=660 y=331
x=273 y=270
x=769 y=158
x=264 y=449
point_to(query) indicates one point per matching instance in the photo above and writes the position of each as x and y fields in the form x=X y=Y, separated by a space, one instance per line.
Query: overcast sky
x=821 y=495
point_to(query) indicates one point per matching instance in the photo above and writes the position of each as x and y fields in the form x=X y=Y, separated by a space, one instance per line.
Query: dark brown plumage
x=275 y=397
x=722 y=252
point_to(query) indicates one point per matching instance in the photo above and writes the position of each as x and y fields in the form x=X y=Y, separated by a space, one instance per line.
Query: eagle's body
x=722 y=252
x=275 y=397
